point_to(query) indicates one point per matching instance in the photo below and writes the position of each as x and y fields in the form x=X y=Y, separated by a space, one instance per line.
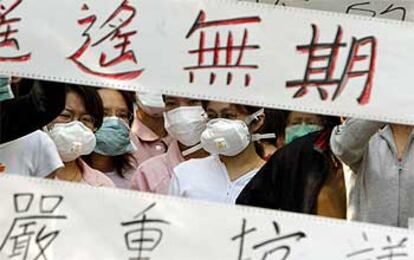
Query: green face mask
x=296 y=131
x=5 y=90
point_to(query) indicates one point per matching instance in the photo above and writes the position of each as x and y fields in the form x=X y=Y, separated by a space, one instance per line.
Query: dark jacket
x=22 y=115
x=293 y=176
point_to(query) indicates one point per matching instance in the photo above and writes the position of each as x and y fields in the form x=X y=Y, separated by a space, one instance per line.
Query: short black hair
x=245 y=108
x=92 y=101
x=329 y=122
x=275 y=122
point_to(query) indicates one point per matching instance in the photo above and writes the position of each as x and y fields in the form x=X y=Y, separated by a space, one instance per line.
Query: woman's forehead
x=112 y=98
x=221 y=106
x=74 y=102
x=302 y=116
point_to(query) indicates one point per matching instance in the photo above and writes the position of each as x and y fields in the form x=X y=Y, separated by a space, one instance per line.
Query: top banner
x=241 y=52
x=402 y=10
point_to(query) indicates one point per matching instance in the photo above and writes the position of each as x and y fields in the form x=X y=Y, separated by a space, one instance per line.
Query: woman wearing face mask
x=229 y=138
x=303 y=176
x=148 y=132
x=185 y=120
x=113 y=152
x=73 y=133
x=299 y=124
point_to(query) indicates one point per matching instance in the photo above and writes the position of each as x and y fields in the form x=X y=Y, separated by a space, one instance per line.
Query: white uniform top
x=33 y=155
x=207 y=179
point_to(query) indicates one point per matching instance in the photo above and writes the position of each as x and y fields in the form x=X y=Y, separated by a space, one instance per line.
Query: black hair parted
x=92 y=101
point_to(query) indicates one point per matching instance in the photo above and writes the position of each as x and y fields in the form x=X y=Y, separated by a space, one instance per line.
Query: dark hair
x=275 y=122
x=329 y=122
x=130 y=99
x=249 y=109
x=127 y=161
x=23 y=87
x=92 y=101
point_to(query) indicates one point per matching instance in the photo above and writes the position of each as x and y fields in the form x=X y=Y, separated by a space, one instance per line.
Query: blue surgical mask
x=296 y=131
x=5 y=89
x=113 y=139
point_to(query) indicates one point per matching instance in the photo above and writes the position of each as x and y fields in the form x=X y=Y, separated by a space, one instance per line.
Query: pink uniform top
x=147 y=142
x=123 y=181
x=93 y=177
x=155 y=174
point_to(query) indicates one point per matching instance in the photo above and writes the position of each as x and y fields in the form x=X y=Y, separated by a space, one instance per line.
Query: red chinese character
x=227 y=56
x=9 y=45
x=107 y=44
x=321 y=76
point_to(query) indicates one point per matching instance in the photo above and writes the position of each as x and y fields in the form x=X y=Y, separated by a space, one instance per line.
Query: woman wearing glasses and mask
x=229 y=138
x=113 y=152
x=73 y=133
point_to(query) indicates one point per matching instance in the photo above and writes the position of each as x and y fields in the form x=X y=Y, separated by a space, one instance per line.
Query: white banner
x=402 y=10
x=239 y=52
x=46 y=219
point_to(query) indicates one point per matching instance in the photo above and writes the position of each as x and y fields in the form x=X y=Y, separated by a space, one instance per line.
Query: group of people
x=208 y=150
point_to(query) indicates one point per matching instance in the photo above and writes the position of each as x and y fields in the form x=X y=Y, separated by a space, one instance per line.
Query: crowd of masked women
x=208 y=150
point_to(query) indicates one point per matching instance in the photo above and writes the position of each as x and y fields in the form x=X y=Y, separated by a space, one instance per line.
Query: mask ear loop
x=134 y=147
x=191 y=150
x=254 y=116
x=257 y=137
x=204 y=115
x=48 y=128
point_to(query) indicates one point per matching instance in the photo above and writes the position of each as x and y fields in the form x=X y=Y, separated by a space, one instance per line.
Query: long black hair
x=127 y=161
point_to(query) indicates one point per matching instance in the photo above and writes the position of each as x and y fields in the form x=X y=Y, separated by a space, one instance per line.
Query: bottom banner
x=46 y=219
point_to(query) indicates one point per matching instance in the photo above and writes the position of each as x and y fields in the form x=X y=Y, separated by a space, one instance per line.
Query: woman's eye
x=210 y=116
x=65 y=116
x=230 y=116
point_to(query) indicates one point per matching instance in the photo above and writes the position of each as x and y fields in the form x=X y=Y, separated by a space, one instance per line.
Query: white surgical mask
x=230 y=137
x=72 y=140
x=186 y=124
x=151 y=103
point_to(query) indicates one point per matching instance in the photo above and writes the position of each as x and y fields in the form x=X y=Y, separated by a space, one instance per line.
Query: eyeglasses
x=68 y=116
x=122 y=114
